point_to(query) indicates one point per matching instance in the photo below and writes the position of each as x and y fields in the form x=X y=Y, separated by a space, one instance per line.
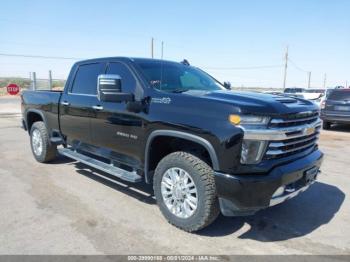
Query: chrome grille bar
x=281 y=144
x=279 y=151
x=301 y=133
x=283 y=121
x=280 y=133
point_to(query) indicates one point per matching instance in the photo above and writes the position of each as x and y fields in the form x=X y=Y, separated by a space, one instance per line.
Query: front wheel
x=185 y=190
x=42 y=149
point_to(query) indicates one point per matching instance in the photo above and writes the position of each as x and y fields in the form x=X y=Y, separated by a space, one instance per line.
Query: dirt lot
x=67 y=208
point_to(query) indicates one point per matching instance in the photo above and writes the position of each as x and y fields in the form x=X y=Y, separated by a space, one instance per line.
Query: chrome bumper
x=280 y=199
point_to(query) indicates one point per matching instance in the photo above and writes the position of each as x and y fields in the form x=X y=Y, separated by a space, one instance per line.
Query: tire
x=326 y=125
x=42 y=149
x=202 y=176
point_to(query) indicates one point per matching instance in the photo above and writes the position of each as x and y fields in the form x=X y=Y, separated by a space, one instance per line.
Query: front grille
x=302 y=132
x=295 y=119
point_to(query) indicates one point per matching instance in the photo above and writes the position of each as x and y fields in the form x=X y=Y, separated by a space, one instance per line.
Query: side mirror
x=227 y=85
x=109 y=89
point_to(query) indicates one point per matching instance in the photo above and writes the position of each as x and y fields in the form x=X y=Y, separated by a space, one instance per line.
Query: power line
x=40 y=56
x=79 y=58
x=297 y=67
x=243 y=68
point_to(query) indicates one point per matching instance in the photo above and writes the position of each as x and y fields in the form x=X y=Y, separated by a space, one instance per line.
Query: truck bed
x=44 y=101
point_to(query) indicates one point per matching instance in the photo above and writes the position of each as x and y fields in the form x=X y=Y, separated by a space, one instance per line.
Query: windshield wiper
x=179 y=90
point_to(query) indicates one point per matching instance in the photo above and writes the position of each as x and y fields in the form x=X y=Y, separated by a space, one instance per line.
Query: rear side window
x=339 y=95
x=85 y=81
x=128 y=80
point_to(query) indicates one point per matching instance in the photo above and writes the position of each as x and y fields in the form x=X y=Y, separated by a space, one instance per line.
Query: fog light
x=279 y=191
x=252 y=151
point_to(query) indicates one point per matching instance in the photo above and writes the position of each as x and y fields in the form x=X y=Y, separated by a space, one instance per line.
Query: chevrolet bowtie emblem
x=309 y=130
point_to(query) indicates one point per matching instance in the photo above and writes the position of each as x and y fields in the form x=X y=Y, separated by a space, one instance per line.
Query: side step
x=57 y=140
x=108 y=168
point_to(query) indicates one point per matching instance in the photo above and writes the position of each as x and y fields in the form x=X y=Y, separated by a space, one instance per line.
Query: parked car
x=313 y=94
x=326 y=95
x=336 y=108
x=293 y=90
x=203 y=147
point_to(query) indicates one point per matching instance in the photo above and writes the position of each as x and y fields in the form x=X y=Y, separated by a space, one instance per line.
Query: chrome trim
x=105 y=78
x=282 y=121
x=280 y=144
x=108 y=77
x=272 y=152
x=80 y=94
x=336 y=115
x=278 y=200
x=274 y=134
x=98 y=107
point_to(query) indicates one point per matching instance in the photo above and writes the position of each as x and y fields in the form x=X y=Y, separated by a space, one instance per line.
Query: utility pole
x=162 y=49
x=324 y=81
x=285 y=69
x=50 y=80
x=309 y=79
x=152 y=47
x=33 y=81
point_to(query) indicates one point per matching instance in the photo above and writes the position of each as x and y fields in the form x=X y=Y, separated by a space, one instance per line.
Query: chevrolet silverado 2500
x=206 y=149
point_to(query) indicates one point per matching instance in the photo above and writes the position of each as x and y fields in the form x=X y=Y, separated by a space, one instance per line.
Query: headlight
x=254 y=120
x=246 y=120
x=252 y=151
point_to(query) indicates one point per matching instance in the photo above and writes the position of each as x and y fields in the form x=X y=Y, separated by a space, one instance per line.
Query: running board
x=57 y=140
x=108 y=168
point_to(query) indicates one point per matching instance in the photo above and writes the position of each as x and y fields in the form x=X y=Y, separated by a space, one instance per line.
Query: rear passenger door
x=76 y=103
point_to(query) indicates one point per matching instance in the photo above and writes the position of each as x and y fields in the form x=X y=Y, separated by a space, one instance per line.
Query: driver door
x=113 y=127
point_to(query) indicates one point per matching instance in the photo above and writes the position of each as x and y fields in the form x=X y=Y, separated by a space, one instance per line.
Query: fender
x=37 y=112
x=194 y=138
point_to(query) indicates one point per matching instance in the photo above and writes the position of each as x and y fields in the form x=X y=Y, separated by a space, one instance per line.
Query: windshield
x=176 y=77
x=340 y=95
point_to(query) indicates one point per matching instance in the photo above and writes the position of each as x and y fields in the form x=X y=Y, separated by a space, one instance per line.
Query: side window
x=128 y=80
x=189 y=80
x=85 y=81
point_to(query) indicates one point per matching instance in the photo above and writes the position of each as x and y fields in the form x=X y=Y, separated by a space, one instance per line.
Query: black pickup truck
x=205 y=148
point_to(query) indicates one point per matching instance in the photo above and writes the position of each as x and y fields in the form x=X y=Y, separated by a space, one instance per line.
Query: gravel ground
x=67 y=208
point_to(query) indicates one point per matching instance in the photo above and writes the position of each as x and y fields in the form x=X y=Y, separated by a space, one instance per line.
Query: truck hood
x=258 y=103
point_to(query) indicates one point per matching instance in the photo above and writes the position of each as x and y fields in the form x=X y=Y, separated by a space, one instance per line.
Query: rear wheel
x=326 y=125
x=42 y=149
x=185 y=190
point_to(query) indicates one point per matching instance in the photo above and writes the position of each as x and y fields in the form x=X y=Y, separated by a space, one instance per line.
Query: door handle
x=65 y=103
x=98 y=107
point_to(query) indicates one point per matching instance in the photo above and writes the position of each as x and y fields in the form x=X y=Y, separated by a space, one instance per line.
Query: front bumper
x=246 y=194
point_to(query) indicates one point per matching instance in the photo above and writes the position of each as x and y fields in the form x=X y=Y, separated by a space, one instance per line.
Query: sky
x=243 y=42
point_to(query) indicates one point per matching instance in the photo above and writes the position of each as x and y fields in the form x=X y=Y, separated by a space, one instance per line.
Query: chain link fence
x=46 y=83
x=32 y=83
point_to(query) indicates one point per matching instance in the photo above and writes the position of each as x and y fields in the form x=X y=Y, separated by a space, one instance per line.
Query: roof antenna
x=185 y=62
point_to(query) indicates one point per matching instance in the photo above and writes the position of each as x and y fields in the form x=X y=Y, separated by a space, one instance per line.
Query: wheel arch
x=32 y=116
x=181 y=135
